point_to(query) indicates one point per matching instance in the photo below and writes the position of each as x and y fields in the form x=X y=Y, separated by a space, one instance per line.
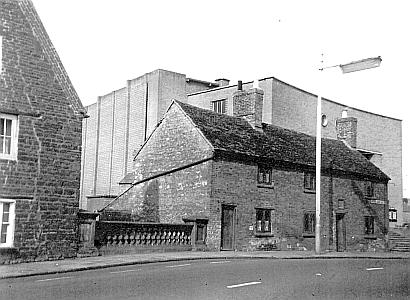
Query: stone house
x=121 y=121
x=40 y=142
x=248 y=185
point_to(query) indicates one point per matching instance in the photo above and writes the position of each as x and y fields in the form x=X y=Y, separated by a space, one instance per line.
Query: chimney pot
x=239 y=85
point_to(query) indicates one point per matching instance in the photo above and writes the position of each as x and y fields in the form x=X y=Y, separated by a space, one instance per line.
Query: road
x=224 y=279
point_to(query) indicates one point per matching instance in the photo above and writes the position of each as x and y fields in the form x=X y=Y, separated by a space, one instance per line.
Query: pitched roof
x=235 y=135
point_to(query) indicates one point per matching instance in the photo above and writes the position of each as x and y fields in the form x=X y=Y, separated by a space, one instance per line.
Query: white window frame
x=14 y=137
x=11 y=222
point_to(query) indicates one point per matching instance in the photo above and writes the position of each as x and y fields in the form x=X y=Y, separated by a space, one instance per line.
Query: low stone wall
x=116 y=237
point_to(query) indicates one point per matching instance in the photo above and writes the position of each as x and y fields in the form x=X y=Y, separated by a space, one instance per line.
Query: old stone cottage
x=250 y=185
x=40 y=142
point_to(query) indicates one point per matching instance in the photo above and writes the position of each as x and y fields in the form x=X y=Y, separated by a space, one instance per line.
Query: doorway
x=227 y=227
x=340 y=233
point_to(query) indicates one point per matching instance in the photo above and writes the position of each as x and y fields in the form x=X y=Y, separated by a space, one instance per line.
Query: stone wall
x=44 y=180
x=235 y=183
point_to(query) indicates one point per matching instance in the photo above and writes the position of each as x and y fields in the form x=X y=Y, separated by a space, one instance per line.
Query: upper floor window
x=310 y=181
x=8 y=136
x=264 y=174
x=369 y=225
x=369 y=189
x=392 y=215
x=263 y=220
x=219 y=106
x=7 y=208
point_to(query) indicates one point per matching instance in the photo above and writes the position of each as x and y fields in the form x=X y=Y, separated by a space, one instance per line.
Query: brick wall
x=235 y=183
x=44 y=180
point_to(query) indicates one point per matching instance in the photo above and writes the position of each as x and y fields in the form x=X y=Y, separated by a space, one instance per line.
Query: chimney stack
x=222 y=81
x=249 y=105
x=346 y=128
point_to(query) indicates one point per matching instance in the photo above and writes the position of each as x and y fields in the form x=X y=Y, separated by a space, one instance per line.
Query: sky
x=104 y=43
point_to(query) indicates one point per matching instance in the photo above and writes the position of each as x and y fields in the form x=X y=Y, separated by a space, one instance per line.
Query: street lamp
x=354 y=66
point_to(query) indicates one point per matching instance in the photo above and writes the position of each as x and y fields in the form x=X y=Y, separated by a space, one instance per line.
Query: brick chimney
x=347 y=130
x=249 y=105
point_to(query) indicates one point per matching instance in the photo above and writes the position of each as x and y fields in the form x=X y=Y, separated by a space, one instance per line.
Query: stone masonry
x=44 y=180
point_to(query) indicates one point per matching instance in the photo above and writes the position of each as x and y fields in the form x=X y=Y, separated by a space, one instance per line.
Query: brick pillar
x=347 y=130
x=249 y=105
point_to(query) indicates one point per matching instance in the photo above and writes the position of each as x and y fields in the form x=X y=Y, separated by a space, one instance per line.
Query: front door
x=227 y=227
x=340 y=233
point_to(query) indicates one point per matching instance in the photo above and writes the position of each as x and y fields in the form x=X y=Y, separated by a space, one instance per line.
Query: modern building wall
x=290 y=107
x=44 y=178
x=118 y=125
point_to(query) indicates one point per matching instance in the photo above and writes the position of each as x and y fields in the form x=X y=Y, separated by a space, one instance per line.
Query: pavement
x=100 y=262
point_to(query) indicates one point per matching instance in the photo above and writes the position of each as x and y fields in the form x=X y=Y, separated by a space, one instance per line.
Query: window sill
x=308 y=235
x=265 y=186
x=264 y=234
x=309 y=191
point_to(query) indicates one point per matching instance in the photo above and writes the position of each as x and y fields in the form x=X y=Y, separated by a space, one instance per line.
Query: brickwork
x=44 y=180
x=347 y=130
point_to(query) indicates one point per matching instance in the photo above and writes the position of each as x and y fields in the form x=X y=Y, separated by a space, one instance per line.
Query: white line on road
x=220 y=262
x=176 y=266
x=50 y=279
x=243 y=284
x=125 y=271
x=373 y=269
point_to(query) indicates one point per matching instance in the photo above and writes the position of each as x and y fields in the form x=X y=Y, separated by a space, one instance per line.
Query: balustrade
x=113 y=234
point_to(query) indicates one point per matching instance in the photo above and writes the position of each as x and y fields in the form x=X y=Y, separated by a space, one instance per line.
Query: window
x=309 y=223
x=263 y=220
x=392 y=215
x=8 y=136
x=369 y=225
x=200 y=231
x=264 y=175
x=219 y=106
x=310 y=181
x=341 y=204
x=7 y=222
x=370 y=189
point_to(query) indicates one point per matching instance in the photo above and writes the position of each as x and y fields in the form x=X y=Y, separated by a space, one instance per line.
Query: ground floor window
x=369 y=225
x=7 y=217
x=200 y=231
x=309 y=223
x=263 y=220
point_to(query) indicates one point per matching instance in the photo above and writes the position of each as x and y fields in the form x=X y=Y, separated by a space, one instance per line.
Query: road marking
x=220 y=262
x=318 y=274
x=373 y=269
x=125 y=271
x=243 y=284
x=50 y=279
x=176 y=266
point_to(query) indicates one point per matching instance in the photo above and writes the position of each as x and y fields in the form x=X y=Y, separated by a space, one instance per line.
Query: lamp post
x=354 y=66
